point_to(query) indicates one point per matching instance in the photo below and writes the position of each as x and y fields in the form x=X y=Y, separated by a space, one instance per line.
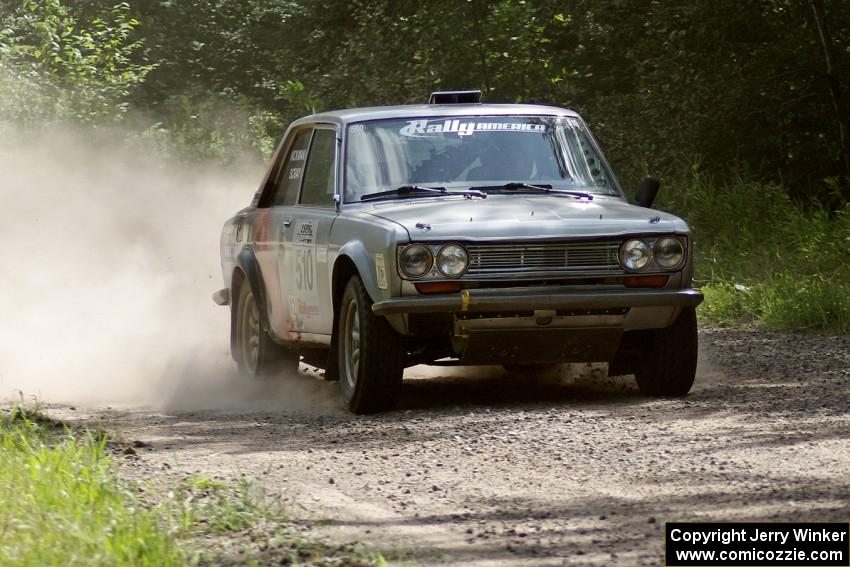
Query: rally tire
x=668 y=364
x=257 y=355
x=371 y=354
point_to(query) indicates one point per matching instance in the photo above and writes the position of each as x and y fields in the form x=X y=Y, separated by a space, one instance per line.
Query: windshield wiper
x=545 y=188
x=411 y=190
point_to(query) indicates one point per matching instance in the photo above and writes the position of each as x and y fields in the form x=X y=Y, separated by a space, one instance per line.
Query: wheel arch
x=237 y=279
x=354 y=254
x=344 y=269
x=352 y=259
x=248 y=269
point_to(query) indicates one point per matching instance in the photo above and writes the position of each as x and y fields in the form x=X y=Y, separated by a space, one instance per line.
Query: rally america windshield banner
x=422 y=128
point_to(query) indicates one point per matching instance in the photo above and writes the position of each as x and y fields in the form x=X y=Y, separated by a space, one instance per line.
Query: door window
x=289 y=178
x=319 y=176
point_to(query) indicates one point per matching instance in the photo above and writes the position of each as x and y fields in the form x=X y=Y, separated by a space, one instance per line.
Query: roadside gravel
x=480 y=467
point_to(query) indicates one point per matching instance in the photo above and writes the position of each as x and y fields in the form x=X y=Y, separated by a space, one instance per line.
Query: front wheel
x=257 y=355
x=371 y=354
x=668 y=365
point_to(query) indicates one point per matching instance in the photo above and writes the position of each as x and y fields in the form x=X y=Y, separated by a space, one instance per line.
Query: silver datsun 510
x=455 y=233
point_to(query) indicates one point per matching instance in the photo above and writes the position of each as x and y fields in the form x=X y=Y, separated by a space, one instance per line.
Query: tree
x=53 y=67
x=842 y=117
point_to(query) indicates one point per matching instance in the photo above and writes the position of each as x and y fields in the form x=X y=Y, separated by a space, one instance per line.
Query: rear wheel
x=371 y=354
x=257 y=355
x=668 y=364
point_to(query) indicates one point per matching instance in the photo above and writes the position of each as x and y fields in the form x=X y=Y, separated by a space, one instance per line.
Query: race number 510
x=304 y=269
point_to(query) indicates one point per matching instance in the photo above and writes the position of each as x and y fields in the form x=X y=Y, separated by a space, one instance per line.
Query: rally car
x=454 y=232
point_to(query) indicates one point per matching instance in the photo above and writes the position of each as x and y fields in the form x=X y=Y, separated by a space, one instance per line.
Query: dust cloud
x=109 y=258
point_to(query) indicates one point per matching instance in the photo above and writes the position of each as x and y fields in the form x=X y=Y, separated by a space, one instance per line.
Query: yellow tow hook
x=464 y=301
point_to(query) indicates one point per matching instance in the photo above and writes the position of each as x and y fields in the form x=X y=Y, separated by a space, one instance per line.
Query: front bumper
x=554 y=298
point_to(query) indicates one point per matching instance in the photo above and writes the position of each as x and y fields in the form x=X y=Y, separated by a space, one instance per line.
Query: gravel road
x=479 y=467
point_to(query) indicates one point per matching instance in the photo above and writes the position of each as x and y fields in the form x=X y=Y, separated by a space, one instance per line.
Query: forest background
x=739 y=107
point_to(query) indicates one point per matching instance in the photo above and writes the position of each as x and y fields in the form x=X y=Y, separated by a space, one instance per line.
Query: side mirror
x=647 y=191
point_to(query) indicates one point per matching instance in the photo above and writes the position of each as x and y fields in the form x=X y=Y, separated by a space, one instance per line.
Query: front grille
x=547 y=257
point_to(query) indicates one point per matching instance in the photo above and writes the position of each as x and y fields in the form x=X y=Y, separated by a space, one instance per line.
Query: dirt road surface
x=479 y=467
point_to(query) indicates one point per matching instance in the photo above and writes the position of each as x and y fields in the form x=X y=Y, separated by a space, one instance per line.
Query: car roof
x=349 y=115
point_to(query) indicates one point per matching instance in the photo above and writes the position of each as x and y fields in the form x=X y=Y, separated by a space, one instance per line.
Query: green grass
x=205 y=505
x=62 y=503
x=761 y=258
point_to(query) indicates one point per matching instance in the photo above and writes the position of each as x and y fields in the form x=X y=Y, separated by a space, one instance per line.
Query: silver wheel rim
x=250 y=333
x=352 y=344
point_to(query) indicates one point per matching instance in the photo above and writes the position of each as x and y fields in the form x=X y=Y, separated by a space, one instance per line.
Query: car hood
x=527 y=217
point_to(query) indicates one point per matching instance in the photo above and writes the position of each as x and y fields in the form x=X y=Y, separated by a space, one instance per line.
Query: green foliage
x=807 y=302
x=790 y=302
x=761 y=257
x=737 y=83
x=213 y=130
x=63 y=504
x=53 y=67
x=740 y=85
x=208 y=506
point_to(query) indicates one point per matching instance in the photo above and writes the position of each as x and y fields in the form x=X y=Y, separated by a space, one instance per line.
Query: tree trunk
x=838 y=102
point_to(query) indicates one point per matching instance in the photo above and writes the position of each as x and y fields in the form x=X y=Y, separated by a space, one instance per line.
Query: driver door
x=280 y=226
x=308 y=275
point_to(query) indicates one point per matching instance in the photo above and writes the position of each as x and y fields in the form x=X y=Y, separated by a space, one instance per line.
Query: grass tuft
x=64 y=505
x=36 y=417
x=210 y=506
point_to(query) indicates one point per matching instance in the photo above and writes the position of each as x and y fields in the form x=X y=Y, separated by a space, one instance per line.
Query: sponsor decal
x=308 y=311
x=423 y=128
x=304 y=233
x=381 y=271
x=296 y=321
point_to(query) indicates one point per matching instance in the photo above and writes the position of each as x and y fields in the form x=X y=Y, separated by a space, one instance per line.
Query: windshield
x=473 y=151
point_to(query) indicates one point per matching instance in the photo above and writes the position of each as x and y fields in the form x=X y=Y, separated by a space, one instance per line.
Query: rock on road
x=483 y=468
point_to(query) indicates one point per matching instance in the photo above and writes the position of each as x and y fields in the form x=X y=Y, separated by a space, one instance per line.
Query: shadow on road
x=734 y=382
x=494 y=387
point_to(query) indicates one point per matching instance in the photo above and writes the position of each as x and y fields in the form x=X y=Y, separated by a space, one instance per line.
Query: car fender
x=364 y=263
x=246 y=261
x=356 y=251
x=351 y=256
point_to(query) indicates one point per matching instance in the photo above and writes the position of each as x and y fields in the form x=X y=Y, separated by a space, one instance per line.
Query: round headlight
x=452 y=260
x=669 y=252
x=634 y=254
x=416 y=260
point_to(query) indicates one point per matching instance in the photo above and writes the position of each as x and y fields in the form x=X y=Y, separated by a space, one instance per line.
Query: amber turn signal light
x=437 y=287
x=645 y=281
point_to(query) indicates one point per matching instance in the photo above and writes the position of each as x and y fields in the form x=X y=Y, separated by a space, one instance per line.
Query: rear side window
x=319 y=177
x=289 y=178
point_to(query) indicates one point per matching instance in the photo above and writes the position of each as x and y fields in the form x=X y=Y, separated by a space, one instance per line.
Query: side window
x=594 y=162
x=289 y=178
x=319 y=177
